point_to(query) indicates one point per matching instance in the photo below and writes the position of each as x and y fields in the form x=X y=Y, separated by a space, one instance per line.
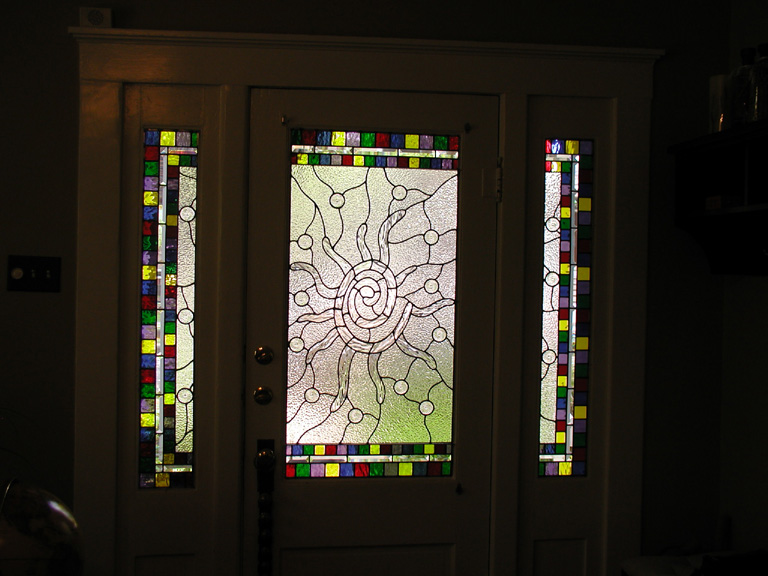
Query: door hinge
x=499 y=178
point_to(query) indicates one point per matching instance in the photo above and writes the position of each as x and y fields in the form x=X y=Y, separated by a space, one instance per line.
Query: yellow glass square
x=555 y=167
x=170 y=279
x=149 y=272
x=167 y=138
x=583 y=273
x=168 y=459
x=571 y=146
x=170 y=339
x=429 y=448
x=565 y=212
x=147 y=420
x=359 y=161
x=412 y=141
x=564 y=469
x=580 y=412
x=319 y=450
x=565 y=268
x=172 y=220
x=413 y=162
x=562 y=325
x=338 y=139
x=560 y=437
x=173 y=159
x=169 y=399
x=585 y=204
x=562 y=381
x=302 y=158
x=374 y=449
x=582 y=343
x=162 y=480
x=332 y=470
x=150 y=198
x=405 y=469
x=148 y=347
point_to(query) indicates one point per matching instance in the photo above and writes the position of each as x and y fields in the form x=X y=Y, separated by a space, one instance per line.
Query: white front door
x=375 y=309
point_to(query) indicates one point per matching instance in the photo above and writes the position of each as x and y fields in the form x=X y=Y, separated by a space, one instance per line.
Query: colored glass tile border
x=367 y=460
x=565 y=360
x=374 y=149
x=163 y=462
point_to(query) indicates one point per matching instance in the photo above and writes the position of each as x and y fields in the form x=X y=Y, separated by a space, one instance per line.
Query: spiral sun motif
x=368 y=313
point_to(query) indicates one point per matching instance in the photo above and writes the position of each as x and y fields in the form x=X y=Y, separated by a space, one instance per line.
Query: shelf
x=721 y=197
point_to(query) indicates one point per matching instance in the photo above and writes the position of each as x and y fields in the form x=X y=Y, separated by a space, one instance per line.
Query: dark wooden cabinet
x=721 y=187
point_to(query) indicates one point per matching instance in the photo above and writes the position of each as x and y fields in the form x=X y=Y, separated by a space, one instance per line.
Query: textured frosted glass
x=566 y=305
x=371 y=305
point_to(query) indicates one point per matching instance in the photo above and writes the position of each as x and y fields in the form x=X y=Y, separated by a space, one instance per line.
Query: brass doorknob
x=263 y=355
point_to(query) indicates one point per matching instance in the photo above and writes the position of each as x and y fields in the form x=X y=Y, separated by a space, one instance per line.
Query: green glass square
x=149 y=243
x=170 y=268
x=195 y=138
x=313 y=159
x=302 y=470
x=370 y=160
x=565 y=167
x=172 y=207
x=565 y=279
x=441 y=142
x=148 y=317
x=562 y=336
x=170 y=328
x=542 y=469
x=559 y=448
x=151 y=168
x=169 y=387
x=364 y=449
x=562 y=391
x=446 y=468
x=565 y=223
x=585 y=162
x=368 y=139
x=583 y=301
x=418 y=449
x=580 y=440
x=425 y=162
x=585 y=231
x=185 y=160
x=377 y=469
x=308 y=449
x=147 y=390
x=147 y=464
x=295 y=136
x=581 y=370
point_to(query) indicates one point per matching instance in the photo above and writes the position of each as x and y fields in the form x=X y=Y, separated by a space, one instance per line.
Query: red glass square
x=347 y=160
x=151 y=153
x=330 y=449
x=148 y=303
x=453 y=142
x=170 y=291
x=362 y=470
x=402 y=162
x=308 y=137
x=435 y=469
x=147 y=376
x=290 y=470
x=382 y=140
x=560 y=426
x=170 y=351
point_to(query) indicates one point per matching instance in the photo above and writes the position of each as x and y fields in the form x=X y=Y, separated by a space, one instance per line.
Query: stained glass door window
x=166 y=388
x=566 y=307
x=371 y=313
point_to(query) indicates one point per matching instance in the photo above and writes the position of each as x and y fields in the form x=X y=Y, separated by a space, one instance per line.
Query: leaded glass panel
x=167 y=308
x=371 y=314
x=566 y=307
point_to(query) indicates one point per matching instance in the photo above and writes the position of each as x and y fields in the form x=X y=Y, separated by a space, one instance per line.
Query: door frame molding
x=110 y=59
